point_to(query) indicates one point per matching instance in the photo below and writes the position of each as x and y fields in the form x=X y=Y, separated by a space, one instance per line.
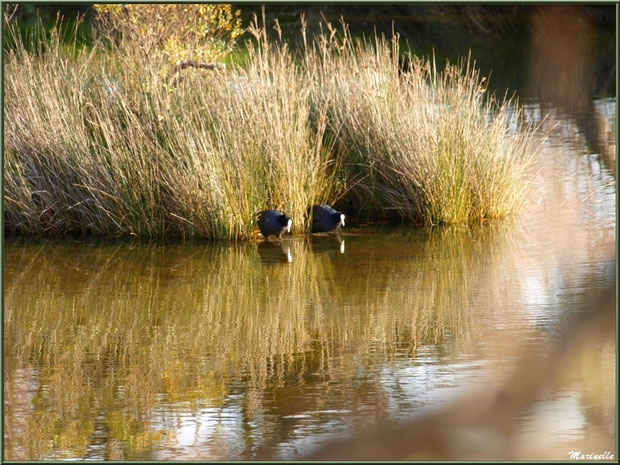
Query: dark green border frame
x=281 y=2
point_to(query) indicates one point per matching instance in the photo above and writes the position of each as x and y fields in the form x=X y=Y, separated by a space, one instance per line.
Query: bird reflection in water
x=275 y=252
x=327 y=243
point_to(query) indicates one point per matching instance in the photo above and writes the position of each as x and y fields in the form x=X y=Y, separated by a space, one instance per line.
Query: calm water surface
x=261 y=350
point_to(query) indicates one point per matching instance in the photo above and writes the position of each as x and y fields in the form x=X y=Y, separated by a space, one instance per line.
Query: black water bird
x=273 y=223
x=326 y=219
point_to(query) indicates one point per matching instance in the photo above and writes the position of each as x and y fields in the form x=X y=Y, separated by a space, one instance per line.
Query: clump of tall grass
x=102 y=143
x=426 y=146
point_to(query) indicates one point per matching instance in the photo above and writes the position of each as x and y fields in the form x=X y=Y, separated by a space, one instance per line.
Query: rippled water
x=262 y=350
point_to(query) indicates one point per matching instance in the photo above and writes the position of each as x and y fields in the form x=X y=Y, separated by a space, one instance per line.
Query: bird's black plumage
x=273 y=223
x=326 y=219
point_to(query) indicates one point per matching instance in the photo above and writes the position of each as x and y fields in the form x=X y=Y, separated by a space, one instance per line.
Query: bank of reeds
x=428 y=146
x=100 y=142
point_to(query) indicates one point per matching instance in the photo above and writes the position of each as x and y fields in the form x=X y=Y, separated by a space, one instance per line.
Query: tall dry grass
x=426 y=146
x=100 y=141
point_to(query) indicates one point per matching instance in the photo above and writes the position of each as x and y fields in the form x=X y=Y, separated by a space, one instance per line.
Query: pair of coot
x=324 y=219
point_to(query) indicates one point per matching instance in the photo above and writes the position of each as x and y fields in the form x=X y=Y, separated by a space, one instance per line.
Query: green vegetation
x=102 y=141
x=189 y=32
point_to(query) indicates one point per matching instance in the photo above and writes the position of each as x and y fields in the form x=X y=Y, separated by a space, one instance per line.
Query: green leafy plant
x=174 y=33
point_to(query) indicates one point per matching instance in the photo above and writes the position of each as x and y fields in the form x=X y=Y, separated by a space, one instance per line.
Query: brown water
x=127 y=351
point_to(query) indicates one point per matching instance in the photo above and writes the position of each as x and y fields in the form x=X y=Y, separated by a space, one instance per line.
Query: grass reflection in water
x=112 y=344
